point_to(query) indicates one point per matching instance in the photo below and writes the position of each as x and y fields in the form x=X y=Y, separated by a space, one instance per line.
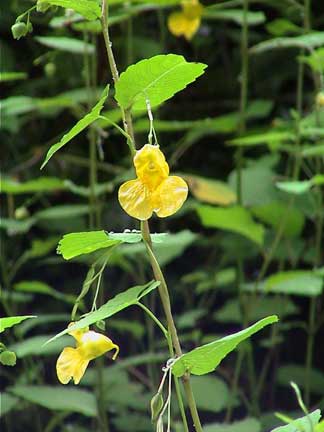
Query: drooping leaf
x=8 y=402
x=78 y=127
x=308 y=41
x=235 y=15
x=41 y=184
x=272 y=138
x=246 y=425
x=209 y=190
x=305 y=424
x=119 y=302
x=58 y=398
x=236 y=219
x=89 y=9
x=40 y=287
x=156 y=79
x=61 y=43
x=206 y=358
x=11 y=321
x=35 y=345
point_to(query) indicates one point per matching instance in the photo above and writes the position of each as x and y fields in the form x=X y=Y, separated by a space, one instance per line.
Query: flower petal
x=180 y=25
x=151 y=166
x=70 y=364
x=96 y=344
x=135 y=199
x=170 y=196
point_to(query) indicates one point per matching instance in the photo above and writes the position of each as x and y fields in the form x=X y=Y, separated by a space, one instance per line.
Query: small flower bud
x=50 y=69
x=8 y=358
x=19 y=29
x=21 y=213
x=156 y=406
x=320 y=99
x=42 y=6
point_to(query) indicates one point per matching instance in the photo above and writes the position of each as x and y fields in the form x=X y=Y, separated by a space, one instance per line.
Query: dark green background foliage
x=248 y=242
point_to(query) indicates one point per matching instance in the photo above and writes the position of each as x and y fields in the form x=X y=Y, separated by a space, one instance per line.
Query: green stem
x=154 y=318
x=310 y=347
x=165 y=299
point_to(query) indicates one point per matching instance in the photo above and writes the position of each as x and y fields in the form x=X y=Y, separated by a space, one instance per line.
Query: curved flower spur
x=153 y=190
x=73 y=362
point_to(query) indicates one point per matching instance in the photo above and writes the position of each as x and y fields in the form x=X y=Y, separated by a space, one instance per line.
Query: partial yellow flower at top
x=73 y=362
x=186 y=22
x=153 y=190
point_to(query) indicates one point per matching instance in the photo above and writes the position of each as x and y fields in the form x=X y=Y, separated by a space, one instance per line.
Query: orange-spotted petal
x=135 y=199
x=170 y=196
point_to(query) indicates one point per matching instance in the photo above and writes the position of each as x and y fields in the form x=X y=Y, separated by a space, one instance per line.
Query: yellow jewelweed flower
x=153 y=190
x=73 y=362
x=186 y=22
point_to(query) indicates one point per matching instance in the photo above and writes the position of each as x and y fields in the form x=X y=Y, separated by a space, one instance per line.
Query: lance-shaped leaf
x=206 y=358
x=89 y=9
x=305 y=424
x=78 y=127
x=121 y=301
x=67 y=44
x=308 y=41
x=11 y=321
x=155 y=79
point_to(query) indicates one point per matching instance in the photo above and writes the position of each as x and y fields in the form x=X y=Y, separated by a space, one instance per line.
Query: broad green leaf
x=156 y=79
x=89 y=9
x=8 y=402
x=35 y=345
x=262 y=307
x=304 y=424
x=78 y=127
x=315 y=60
x=12 y=76
x=75 y=244
x=206 y=358
x=211 y=393
x=246 y=425
x=43 y=321
x=277 y=213
x=236 y=219
x=295 y=282
x=12 y=321
x=308 y=41
x=39 y=287
x=119 y=302
x=58 y=398
x=61 y=43
x=235 y=15
x=272 y=138
x=209 y=190
x=41 y=184
x=296 y=373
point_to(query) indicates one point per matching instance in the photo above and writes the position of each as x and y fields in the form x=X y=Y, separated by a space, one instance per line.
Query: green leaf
x=75 y=244
x=296 y=373
x=89 y=9
x=68 y=44
x=246 y=425
x=41 y=184
x=156 y=79
x=209 y=190
x=206 y=358
x=314 y=150
x=283 y=27
x=118 y=303
x=304 y=424
x=272 y=138
x=276 y=213
x=62 y=212
x=205 y=390
x=262 y=307
x=8 y=402
x=78 y=127
x=35 y=345
x=12 y=76
x=295 y=187
x=308 y=41
x=295 y=282
x=235 y=15
x=236 y=219
x=58 y=398
x=12 y=321
x=40 y=287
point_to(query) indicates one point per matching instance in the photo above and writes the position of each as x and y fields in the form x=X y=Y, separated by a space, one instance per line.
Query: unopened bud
x=19 y=29
x=42 y=6
x=320 y=99
x=156 y=406
x=8 y=358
